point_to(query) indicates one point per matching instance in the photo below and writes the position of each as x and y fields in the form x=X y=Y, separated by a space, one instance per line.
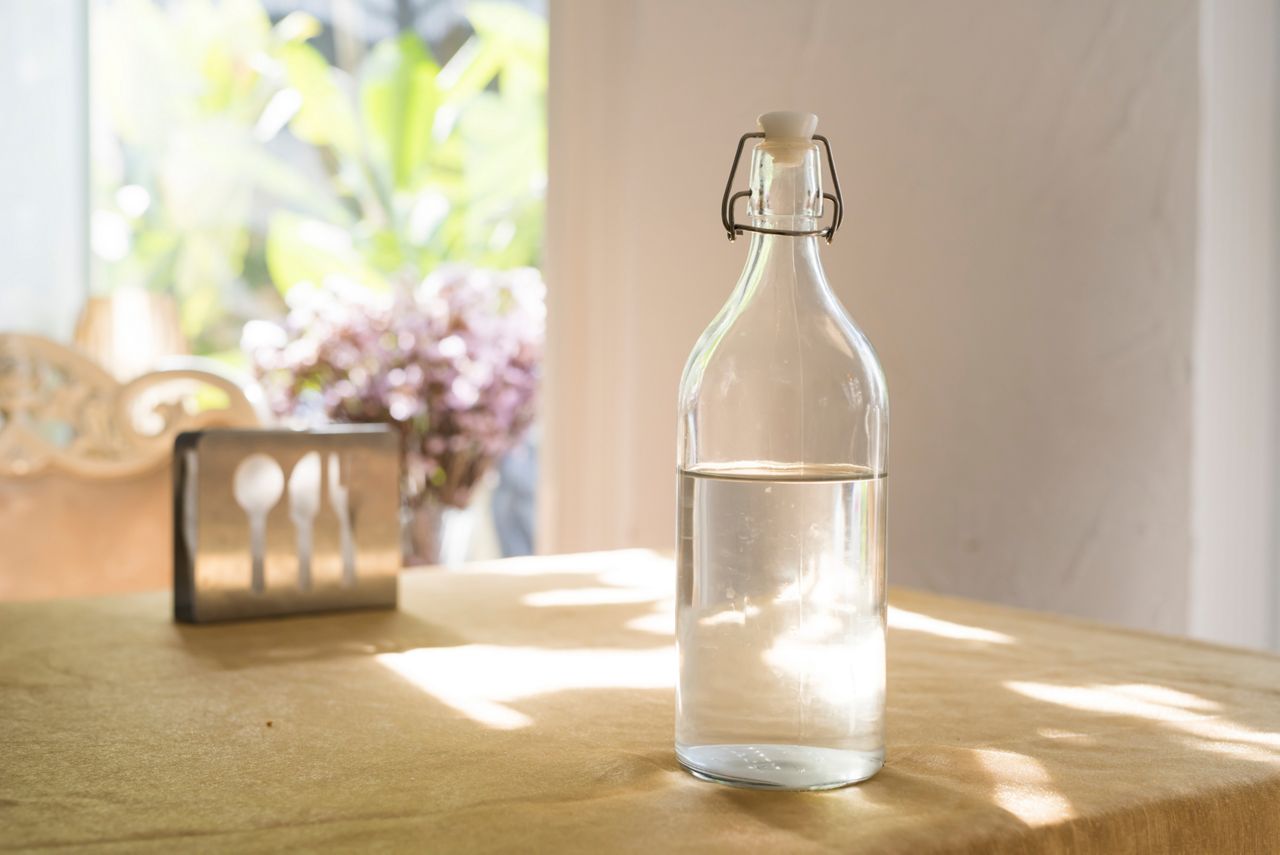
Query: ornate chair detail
x=85 y=496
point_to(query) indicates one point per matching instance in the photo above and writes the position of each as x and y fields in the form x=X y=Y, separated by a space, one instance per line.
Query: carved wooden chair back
x=85 y=495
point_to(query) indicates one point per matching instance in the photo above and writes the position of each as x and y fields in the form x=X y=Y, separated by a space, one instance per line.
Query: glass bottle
x=783 y=427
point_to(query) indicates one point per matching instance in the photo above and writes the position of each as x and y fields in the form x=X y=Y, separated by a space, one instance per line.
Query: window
x=183 y=166
x=241 y=147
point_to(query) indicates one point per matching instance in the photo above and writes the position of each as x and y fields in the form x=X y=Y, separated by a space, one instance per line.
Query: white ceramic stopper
x=788 y=125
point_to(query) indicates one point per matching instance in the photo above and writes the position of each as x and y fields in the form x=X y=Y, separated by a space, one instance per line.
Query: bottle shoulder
x=783 y=376
x=824 y=353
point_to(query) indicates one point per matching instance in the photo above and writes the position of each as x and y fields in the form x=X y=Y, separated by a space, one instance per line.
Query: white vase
x=435 y=533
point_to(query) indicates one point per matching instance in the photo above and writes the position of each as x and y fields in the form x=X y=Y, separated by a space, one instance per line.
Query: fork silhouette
x=339 y=500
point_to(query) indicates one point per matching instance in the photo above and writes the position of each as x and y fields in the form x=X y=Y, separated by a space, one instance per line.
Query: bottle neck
x=786 y=196
x=786 y=185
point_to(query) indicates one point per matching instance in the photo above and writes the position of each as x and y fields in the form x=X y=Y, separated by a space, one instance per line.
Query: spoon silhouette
x=258 y=486
x=304 y=505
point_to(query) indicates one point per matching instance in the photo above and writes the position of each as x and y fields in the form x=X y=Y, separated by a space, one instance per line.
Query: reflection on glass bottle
x=783 y=430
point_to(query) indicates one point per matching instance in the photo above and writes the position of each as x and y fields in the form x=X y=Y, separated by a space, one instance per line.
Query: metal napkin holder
x=277 y=522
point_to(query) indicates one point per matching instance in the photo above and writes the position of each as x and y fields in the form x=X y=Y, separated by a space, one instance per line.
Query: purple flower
x=453 y=363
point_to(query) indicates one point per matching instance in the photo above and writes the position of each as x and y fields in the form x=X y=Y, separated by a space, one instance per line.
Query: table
x=527 y=706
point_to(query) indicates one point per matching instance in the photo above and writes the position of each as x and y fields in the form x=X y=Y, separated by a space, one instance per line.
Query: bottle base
x=779 y=767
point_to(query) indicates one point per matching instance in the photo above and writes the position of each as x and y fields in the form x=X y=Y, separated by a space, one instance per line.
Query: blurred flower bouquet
x=452 y=363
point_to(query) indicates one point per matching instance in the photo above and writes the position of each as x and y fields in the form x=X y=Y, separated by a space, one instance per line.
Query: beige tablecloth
x=527 y=706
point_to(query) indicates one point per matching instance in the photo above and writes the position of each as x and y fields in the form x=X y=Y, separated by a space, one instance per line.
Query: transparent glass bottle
x=781 y=533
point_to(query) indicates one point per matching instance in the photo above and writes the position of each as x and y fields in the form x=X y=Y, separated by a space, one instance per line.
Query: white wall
x=43 y=165
x=1020 y=246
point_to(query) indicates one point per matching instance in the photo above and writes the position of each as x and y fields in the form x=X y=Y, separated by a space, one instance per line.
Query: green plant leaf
x=520 y=37
x=470 y=71
x=227 y=38
x=399 y=99
x=325 y=115
x=298 y=26
x=382 y=250
x=283 y=182
x=301 y=249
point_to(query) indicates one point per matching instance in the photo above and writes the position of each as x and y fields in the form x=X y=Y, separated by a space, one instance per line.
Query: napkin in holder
x=277 y=522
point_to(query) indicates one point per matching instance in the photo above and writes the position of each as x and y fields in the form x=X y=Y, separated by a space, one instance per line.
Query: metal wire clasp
x=730 y=198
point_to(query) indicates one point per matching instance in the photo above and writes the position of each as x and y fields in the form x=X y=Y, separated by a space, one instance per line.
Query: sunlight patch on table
x=1236 y=750
x=661 y=621
x=627 y=563
x=1024 y=788
x=1146 y=701
x=1168 y=697
x=916 y=622
x=1228 y=732
x=1071 y=735
x=1180 y=711
x=480 y=680
x=588 y=597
